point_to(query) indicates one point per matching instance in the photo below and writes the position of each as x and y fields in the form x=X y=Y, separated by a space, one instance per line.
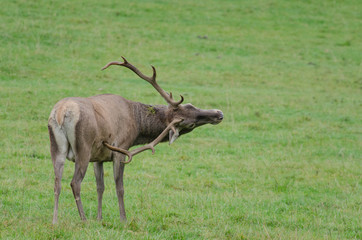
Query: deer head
x=181 y=118
x=192 y=118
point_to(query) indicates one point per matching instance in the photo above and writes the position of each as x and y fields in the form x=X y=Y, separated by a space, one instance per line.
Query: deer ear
x=173 y=135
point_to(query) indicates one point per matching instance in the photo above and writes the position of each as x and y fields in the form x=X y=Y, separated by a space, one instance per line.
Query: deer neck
x=151 y=121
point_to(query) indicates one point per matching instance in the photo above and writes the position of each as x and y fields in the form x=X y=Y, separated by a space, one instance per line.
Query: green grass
x=284 y=164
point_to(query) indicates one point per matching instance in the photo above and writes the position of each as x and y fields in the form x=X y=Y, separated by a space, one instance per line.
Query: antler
x=151 y=80
x=150 y=146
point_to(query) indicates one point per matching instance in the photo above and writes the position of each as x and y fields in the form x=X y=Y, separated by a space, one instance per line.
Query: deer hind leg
x=58 y=148
x=80 y=168
x=118 y=169
x=99 y=173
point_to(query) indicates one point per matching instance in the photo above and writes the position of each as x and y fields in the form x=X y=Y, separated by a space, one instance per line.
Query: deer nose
x=221 y=115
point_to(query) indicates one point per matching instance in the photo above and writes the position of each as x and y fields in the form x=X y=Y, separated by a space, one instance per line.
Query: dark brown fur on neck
x=151 y=121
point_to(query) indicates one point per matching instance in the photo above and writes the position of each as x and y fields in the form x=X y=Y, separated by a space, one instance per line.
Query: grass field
x=284 y=164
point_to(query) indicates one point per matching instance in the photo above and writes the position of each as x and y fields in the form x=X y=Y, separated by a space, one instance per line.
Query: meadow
x=284 y=164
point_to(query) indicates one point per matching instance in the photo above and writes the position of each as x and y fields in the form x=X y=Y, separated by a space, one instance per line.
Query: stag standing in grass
x=102 y=128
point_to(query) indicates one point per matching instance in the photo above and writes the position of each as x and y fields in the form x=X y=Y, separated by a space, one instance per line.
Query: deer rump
x=102 y=128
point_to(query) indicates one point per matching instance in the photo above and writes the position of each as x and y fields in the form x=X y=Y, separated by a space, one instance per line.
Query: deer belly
x=96 y=155
x=100 y=154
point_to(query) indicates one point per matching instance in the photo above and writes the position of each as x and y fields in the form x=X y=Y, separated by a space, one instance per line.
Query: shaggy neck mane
x=150 y=120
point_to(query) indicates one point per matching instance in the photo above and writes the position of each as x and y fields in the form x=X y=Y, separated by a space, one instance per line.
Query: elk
x=102 y=128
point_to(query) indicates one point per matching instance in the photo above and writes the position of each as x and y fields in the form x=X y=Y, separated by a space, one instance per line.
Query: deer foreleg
x=98 y=172
x=118 y=169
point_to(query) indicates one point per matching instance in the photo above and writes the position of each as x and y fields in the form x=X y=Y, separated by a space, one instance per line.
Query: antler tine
x=126 y=64
x=150 y=146
x=180 y=101
x=116 y=63
x=151 y=80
